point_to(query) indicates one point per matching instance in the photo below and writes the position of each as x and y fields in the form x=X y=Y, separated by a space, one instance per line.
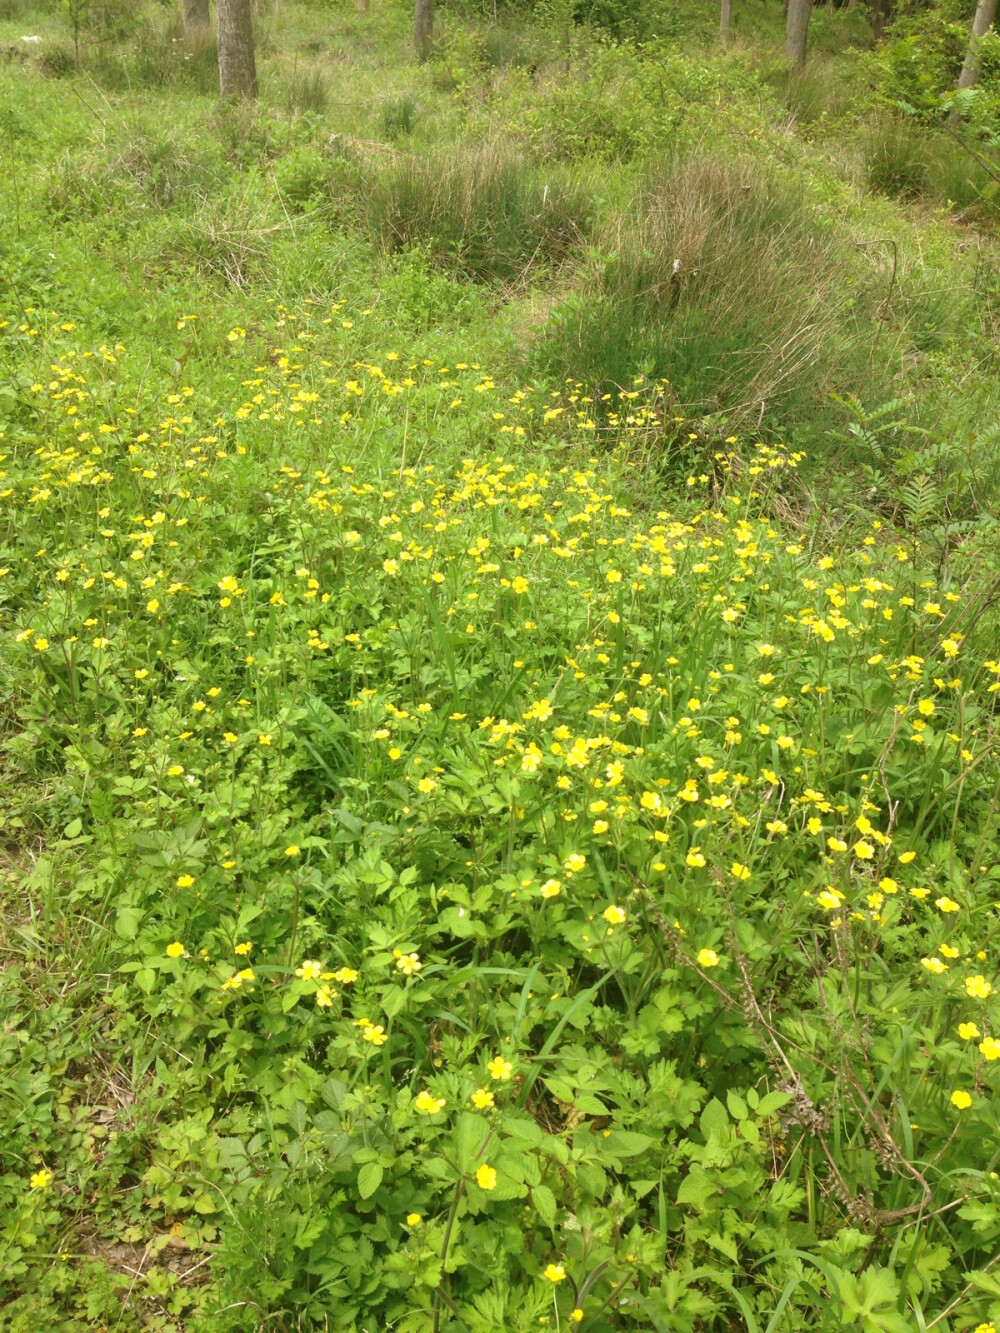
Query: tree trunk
x=363 y=6
x=725 y=21
x=986 y=12
x=423 y=27
x=237 y=68
x=197 y=23
x=797 y=30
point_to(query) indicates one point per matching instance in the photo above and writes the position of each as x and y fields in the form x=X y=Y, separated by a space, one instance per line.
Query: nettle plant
x=530 y=904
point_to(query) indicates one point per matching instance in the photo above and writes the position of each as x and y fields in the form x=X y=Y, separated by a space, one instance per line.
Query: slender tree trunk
x=363 y=6
x=986 y=12
x=237 y=68
x=197 y=22
x=797 y=30
x=423 y=27
x=725 y=20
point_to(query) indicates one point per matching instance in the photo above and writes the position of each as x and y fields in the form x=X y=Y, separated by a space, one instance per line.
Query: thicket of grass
x=724 y=281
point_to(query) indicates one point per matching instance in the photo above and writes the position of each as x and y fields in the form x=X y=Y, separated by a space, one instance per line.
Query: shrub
x=302 y=177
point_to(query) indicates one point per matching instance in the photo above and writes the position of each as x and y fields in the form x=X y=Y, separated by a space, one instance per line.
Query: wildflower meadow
x=480 y=852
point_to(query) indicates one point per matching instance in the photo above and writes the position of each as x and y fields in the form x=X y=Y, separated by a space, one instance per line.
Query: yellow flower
x=906 y=857
x=486 y=1177
x=968 y=1031
x=413 y=1219
x=376 y=1034
x=836 y=844
x=961 y=1100
x=574 y=863
x=555 y=1273
x=41 y=644
x=519 y=585
x=264 y=739
x=739 y=871
x=934 y=965
x=978 y=987
x=576 y=1315
x=926 y=707
x=551 y=888
x=946 y=905
x=707 y=958
x=483 y=1099
x=40 y=1180
x=324 y=997
x=345 y=975
x=830 y=899
x=175 y=770
x=863 y=850
x=230 y=737
x=175 y=950
x=185 y=881
x=293 y=850
x=427 y=1104
x=500 y=1068
x=989 y=1048
x=614 y=915
x=310 y=970
x=407 y=963
x=695 y=858
x=539 y=711
x=426 y=785
x=244 y=948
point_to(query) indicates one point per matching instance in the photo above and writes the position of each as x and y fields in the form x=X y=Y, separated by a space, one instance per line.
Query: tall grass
x=906 y=160
x=481 y=213
x=722 y=280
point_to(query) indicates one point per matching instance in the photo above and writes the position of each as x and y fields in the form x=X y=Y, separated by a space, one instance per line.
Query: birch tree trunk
x=237 y=67
x=986 y=12
x=725 y=21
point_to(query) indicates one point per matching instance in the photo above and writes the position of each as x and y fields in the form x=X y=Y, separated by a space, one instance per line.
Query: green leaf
x=471 y=1135
x=737 y=1106
x=625 y=1143
x=714 y=1120
x=369 y=1179
x=127 y=922
x=545 y=1204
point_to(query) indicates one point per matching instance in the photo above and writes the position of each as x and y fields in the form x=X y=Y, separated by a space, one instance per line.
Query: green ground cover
x=498 y=816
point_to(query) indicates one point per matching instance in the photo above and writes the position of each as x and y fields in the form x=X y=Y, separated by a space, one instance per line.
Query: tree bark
x=197 y=22
x=797 y=30
x=725 y=21
x=237 y=67
x=986 y=12
x=423 y=27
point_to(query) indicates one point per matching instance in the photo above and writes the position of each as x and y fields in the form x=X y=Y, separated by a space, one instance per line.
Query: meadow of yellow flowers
x=455 y=885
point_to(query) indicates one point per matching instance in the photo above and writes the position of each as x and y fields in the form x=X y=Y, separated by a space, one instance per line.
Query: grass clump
x=724 y=282
x=483 y=214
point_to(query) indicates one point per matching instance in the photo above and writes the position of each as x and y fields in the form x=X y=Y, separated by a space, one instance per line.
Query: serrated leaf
x=127 y=922
x=714 y=1120
x=369 y=1179
x=737 y=1106
x=545 y=1204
